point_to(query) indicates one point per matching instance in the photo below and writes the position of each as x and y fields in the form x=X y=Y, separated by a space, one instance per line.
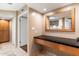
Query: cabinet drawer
x=70 y=50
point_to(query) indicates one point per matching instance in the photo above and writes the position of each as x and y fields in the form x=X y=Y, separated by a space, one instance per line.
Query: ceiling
x=11 y=6
x=6 y=9
x=49 y=6
x=37 y=6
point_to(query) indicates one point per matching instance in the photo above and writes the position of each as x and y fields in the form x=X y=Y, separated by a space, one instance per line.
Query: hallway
x=7 y=49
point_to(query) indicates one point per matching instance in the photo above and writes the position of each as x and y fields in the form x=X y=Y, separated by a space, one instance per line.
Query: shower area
x=23 y=32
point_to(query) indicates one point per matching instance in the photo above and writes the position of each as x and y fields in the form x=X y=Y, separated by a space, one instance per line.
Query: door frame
x=19 y=31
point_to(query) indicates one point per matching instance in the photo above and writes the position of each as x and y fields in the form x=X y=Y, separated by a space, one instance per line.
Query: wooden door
x=4 y=31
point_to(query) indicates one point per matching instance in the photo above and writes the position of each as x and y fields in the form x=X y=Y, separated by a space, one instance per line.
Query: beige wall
x=69 y=34
x=13 y=27
x=35 y=26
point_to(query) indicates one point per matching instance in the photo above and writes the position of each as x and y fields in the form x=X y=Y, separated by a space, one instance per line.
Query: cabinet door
x=4 y=25
x=5 y=36
x=4 y=31
x=1 y=36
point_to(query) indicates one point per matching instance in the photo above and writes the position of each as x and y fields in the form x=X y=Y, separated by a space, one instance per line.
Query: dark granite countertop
x=60 y=40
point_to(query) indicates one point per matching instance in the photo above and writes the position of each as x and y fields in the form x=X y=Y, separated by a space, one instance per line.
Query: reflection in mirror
x=62 y=21
x=68 y=23
x=55 y=23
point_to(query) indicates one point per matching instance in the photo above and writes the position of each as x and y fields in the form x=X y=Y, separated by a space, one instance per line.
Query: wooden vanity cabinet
x=59 y=47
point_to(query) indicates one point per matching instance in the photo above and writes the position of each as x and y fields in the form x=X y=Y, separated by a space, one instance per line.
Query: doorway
x=4 y=31
x=23 y=31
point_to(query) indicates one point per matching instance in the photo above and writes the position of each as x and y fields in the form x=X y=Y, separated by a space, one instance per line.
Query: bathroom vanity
x=66 y=45
x=60 y=20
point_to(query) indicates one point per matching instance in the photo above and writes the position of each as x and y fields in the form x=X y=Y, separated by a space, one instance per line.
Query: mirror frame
x=61 y=30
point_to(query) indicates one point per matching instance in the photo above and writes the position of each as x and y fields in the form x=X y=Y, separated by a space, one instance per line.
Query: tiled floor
x=7 y=49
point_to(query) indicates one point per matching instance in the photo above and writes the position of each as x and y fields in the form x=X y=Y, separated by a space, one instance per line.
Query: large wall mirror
x=61 y=21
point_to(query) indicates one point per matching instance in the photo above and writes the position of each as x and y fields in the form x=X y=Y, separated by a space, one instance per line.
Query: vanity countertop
x=60 y=40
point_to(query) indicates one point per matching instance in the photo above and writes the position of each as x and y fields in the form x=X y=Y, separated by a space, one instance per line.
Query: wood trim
x=63 y=27
x=73 y=20
x=61 y=30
